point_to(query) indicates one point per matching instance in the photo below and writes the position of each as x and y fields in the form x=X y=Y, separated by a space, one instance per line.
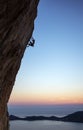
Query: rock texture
x=16 y=27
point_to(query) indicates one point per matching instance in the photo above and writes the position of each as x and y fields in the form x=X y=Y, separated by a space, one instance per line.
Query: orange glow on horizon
x=45 y=99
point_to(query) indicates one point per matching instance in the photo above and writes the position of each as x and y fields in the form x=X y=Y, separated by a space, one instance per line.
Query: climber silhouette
x=31 y=42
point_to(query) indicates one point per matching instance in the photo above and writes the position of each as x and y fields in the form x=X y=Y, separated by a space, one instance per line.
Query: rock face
x=16 y=27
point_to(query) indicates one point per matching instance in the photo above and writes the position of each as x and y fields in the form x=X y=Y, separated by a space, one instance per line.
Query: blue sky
x=52 y=71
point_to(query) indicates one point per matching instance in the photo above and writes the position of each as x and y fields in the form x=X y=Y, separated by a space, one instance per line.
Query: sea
x=44 y=110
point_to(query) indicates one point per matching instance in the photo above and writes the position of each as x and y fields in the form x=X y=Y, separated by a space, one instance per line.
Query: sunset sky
x=52 y=71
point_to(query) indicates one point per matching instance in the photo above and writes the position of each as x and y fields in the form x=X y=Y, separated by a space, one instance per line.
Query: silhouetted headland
x=74 y=117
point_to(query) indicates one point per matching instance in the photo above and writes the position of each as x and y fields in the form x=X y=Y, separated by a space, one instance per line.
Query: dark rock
x=16 y=27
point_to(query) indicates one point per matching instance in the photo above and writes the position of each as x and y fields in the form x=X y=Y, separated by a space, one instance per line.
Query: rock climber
x=31 y=42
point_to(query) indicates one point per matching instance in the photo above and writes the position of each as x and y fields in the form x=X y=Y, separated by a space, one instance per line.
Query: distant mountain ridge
x=74 y=117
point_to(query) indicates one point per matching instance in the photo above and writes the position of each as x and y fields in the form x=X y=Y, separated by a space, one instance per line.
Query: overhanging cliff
x=16 y=27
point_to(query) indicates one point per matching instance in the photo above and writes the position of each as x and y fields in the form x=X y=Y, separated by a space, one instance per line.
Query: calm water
x=44 y=125
x=46 y=110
